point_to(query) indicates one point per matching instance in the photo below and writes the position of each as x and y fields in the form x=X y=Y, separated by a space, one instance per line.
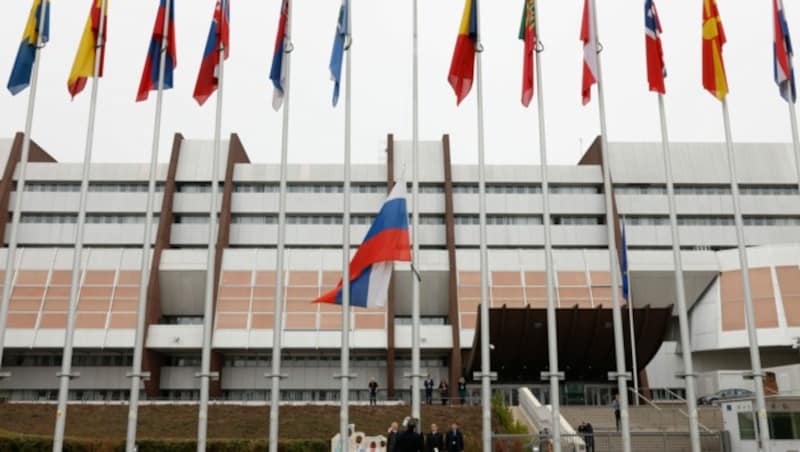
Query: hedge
x=24 y=443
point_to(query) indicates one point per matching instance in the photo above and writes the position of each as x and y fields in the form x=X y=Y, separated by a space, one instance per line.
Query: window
x=771 y=221
x=49 y=218
x=192 y=219
x=314 y=219
x=100 y=218
x=255 y=187
x=52 y=186
x=705 y=221
x=431 y=188
x=362 y=219
x=368 y=187
x=575 y=189
x=243 y=218
x=769 y=190
x=462 y=187
x=430 y=219
x=640 y=189
x=315 y=188
x=467 y=219
x=182 y=320
x=196 y=187
x=513 y=219
x=513 y=188
x=578 y=220
x=646 y=220
x=123 y=187
x=702 y=190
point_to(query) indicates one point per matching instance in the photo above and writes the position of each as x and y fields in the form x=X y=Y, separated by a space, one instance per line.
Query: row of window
x=782 y=426
x=91 y=218
x=707 y=189
x=115 y=187
x=78 y=360
x=713 y=221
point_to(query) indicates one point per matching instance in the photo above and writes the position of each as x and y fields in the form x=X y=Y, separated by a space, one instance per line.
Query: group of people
x=444 y=391
x=409 y=439
x=429 y=385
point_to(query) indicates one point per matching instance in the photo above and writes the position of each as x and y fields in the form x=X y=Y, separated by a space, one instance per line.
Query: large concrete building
x=448 y=262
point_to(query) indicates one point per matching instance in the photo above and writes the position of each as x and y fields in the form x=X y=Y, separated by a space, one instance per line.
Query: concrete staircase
x=644 y=418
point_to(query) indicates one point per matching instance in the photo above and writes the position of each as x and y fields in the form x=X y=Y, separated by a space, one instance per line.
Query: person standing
x=454 y=441
x=615 y=407
x=429 y=390
x=589 y=436
x=391 y=438
x=462 y=390
x=444 y=392
x=434 y=441
x=373 y=392
x=409 y=440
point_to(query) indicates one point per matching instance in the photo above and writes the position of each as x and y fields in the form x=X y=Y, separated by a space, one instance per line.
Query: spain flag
x=462 y=68
x=714 y=79
x=89 y=49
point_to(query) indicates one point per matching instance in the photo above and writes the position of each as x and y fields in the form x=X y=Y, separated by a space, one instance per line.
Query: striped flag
x=83 y=67
x=714 y=78
x=527 y=33
x=152 y=64
x=339 y=44
x=656 y=71
x=589 y=38
x=218 y=36
x=462 y=67
x=784 y=70
x=277 y=72
x=23 y=65
x=387 y=241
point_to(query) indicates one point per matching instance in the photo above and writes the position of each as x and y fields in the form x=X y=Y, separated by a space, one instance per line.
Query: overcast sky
x=382 y=79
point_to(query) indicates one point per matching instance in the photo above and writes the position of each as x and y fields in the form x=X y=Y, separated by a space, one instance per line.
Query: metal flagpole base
x=214 y=376
x=614 y=376
x=547 y=375
x=72 y=375
x=144 y=376
x=480 y=375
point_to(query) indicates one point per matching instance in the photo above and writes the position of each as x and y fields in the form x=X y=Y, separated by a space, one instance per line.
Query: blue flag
x=624 y=265
x=339 y=43
x=26 y=55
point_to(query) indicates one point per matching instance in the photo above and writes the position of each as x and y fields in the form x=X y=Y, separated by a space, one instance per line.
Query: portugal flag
x=714 y=79
x=462 y=68
x=527 y=33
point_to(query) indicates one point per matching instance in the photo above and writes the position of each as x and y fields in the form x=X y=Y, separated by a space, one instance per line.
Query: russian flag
x=153 y=62
x=278 y=71
x=23 y=66
x=218 y=36
x=371 y=268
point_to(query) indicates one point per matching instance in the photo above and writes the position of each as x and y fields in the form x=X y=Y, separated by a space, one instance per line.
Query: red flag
x=207 y=78
x=589 y=38
x=462 y=68
x=527 y=33
x=655 y=53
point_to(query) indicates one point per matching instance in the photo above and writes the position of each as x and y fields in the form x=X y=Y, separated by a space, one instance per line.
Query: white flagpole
x=680 y=291
x=634 y=364
x=344 y=413
x=136 y=374
x=415 y=309
x=752 y=332
x=66 y=374
x=486 y=372
x=277 y=327
x=553 y=373
x=208 y=311
x=11 y=253
x=619 y=348
x=795 y=139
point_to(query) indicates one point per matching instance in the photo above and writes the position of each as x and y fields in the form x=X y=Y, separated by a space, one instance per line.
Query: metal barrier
x=608 y=442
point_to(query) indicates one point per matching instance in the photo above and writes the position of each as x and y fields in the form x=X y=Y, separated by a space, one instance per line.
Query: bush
x=504 y=417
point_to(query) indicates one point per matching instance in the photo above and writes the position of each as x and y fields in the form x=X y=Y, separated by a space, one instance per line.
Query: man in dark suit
x=434 y=441
x=454 y=441
x=409 y=440
x=391 y=438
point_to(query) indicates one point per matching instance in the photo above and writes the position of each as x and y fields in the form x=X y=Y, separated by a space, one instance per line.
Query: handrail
x=685 y=414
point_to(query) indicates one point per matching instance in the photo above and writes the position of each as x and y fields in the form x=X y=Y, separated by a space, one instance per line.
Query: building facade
x=448 y=263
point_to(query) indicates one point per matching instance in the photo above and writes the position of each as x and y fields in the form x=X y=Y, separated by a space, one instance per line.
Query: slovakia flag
x=371 y=267
x=208 y=77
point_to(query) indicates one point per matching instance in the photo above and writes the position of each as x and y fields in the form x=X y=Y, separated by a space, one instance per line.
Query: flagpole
x=136 y=374
x=277 y=327
x=680 y=291
x=795 y=139
x=553 y=373
x=486 y=373
x=11 y=252
x=77 y=257
x=415 y=309
x=619 y=348
x=634 y=365
x=208 y=311
x=752 y=332
x=345 y=376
